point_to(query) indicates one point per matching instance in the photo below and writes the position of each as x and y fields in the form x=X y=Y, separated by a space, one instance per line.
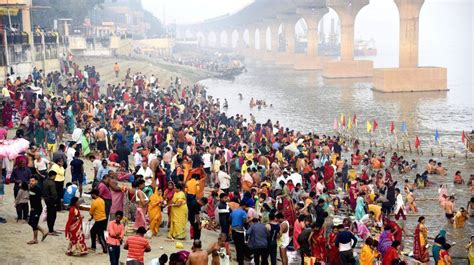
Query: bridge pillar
x=205 y=39
x=409 y=77
x=217 y=32
x=251 y=44
x=311 y=60
x=347 y=68
x=240 y=44
x=409 y=28
x=275 y=38
x=262 y=30
x=289 y=56
x=228 y=44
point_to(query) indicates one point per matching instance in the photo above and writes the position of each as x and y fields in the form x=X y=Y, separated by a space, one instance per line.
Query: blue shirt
x=69 y=194
x=101 y=173
x=237 y=217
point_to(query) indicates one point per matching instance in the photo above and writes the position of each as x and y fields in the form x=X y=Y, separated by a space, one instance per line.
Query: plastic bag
x=84 y=182
x=86 y=227
x=149 y=234
x=44 y=215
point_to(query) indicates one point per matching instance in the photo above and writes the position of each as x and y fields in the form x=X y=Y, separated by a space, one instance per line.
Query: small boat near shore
x=230 y=74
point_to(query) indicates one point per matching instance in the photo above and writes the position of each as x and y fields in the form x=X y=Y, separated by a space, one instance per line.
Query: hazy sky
x=446 y=28
x=188 y=11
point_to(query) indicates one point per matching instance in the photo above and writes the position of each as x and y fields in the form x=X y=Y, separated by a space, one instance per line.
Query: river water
x=303 y=100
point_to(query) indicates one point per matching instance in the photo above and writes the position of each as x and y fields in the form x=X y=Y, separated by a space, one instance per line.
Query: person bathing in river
x=470 y=207
x=458 y=178
x=226 y=104
x=449 y=209
x=460 y=218
x=252 y=103
x=440 y=170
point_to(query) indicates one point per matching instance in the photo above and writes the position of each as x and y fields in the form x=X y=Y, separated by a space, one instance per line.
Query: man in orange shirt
x=97 y=212
x=137 y=245
x=116 y=232
x=116 y=70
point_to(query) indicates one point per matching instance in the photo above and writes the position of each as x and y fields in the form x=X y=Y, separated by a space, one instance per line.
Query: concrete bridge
x=240 y=32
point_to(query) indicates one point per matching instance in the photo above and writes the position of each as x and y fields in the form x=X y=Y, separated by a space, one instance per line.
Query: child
x=21 y=203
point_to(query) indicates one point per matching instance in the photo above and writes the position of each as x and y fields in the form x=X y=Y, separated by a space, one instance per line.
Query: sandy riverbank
x=13 y=236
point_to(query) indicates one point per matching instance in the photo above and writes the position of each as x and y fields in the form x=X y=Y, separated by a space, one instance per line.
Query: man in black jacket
x=346 y=242
x=50 y=196
x=35 y=210
x=224 y=215
x=123 y=152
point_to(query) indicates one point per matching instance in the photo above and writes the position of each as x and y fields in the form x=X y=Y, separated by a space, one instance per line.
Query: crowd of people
x=168 y=153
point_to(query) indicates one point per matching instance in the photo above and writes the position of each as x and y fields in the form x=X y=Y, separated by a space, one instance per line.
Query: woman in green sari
x=70 y=120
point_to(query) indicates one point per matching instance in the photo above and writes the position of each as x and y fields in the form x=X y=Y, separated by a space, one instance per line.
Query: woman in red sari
x=420 y=252
x=318 y=244
x=329 y=176
x=77 y=245
x=333 y=252
x=287 y=207
x=7 y=114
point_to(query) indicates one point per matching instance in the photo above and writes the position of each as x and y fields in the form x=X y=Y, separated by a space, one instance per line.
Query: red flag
x=417 y=142
x=463 y=137
x=343 y=121
x=354 y=119
x=392 y=127
x=374 y=125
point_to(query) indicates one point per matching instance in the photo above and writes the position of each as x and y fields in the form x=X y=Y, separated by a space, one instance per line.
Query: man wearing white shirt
x=224 y=180
x=137 y=158
x=283 y=178
x=70 y=153
x=76 y=137
x=296 y=178
x=206 y=158
x=145 y=170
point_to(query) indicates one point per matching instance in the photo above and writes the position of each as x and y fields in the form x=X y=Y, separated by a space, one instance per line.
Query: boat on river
x=231 y=73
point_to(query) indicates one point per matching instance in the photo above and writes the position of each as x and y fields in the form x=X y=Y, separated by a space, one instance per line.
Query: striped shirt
x=136 y=247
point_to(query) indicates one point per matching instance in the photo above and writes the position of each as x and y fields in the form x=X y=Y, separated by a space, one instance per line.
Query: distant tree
x=77 y=10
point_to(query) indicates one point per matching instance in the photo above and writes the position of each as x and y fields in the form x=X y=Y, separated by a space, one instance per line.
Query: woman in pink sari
x=353 y=194
x=142 y=205
x=168 y=196
x=77 y=244
x=442 y=194
x=360 y=230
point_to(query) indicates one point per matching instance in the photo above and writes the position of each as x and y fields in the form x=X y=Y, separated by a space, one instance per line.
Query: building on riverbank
x=21 y=47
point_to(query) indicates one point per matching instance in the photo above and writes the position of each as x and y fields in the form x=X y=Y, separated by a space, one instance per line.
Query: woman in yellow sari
x=154 y=211
x=179 y=214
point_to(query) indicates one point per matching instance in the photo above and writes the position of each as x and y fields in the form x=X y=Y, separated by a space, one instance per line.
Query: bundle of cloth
x=12 y=148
